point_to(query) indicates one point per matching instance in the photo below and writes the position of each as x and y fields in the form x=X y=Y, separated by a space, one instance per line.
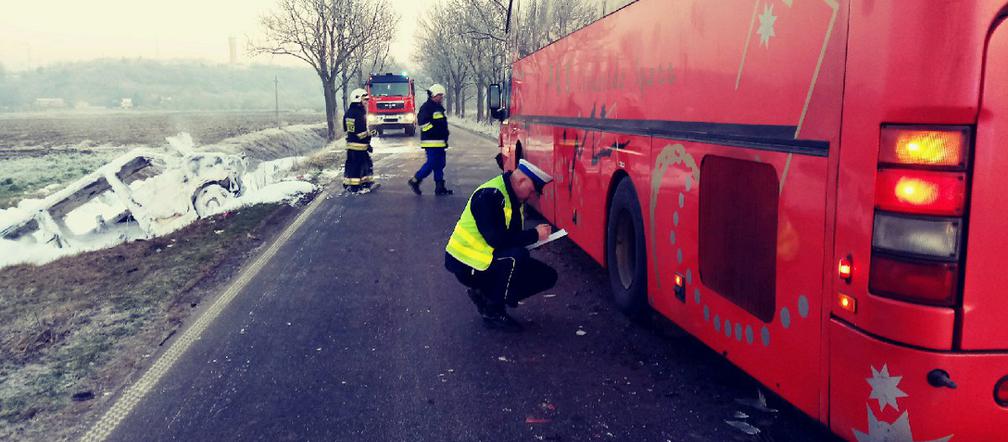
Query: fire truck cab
x=392 y=104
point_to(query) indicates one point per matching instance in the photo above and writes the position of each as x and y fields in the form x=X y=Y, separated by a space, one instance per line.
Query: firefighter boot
x=440 y=189
x=415 y=185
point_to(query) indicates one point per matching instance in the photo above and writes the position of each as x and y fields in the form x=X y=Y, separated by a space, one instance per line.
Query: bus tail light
x=932 y=283
x=925 y=146
x=920 y=201
x=928 y=237
x=918 y=191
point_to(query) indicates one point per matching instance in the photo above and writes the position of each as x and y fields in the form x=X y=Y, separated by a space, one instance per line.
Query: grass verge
x=74 y=332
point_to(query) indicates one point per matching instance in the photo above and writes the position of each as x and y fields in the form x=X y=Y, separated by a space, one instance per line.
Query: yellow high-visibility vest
x=466 y=244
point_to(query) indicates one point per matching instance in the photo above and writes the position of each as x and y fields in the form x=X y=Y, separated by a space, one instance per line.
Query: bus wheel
x=626 y=256
x=410 y=131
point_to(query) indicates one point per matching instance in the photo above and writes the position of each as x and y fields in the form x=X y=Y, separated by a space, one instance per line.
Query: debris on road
x=744 y=427
x=83 y=396
x=759 y=403
x=740 y=415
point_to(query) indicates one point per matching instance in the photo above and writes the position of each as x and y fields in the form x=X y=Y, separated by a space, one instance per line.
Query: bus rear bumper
x=878 y=386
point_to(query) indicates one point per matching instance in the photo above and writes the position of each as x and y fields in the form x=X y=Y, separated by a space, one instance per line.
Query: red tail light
x=920 y=197
x=918 y=191
x=923 y=282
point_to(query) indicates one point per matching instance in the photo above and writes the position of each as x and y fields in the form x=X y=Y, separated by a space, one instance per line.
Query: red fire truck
x=392 y=104
x=813 y=188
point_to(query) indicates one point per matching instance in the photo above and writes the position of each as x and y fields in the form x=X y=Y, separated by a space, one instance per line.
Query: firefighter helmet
x=436 y=89
x=358 y=95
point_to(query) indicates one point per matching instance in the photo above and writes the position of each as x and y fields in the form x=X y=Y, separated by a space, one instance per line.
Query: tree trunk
x=480 y=102
x=332 y=114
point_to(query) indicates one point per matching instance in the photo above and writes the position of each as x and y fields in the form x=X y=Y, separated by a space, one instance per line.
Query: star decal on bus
x=766 y=27
x=897 y=431
x=885 y=388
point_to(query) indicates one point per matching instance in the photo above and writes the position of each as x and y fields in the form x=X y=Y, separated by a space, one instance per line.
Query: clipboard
x=553 y=237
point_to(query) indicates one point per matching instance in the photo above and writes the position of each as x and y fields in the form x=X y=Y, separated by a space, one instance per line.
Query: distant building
x=50 y=103
x=126 y=103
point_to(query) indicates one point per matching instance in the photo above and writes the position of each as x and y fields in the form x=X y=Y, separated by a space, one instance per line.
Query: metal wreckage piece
x=159 y=191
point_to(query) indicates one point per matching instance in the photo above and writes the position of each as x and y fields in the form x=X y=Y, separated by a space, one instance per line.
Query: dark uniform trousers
x=512 y=276
x=358 y=170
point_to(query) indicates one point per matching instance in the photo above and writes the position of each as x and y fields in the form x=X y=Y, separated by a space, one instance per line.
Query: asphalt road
x=354 y=331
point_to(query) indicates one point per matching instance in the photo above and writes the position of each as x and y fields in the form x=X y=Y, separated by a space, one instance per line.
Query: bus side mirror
x=494 y=101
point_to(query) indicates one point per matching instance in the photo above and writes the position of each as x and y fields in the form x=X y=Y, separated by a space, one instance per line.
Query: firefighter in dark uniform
x=357 y=173
x=434 y=140
x=487 y=250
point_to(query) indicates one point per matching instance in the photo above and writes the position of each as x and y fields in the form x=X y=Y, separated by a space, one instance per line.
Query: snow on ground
x=270 y=182
x=490 y=129
x=272 y=144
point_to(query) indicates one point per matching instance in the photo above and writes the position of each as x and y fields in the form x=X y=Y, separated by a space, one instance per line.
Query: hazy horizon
x=39 y=34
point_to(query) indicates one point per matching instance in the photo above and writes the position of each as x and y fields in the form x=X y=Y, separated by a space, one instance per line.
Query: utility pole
x=276 y=98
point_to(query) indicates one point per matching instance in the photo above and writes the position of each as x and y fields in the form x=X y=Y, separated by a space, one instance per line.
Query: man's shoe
x=440 y=189
x=477 y=298
x=502 y=321
x=415 y=185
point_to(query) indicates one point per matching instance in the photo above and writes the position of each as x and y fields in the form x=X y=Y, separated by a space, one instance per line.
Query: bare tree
x=373 y=52
x=442 y=54
x=326 y=34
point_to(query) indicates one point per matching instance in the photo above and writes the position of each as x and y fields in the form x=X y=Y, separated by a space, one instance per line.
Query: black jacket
x=355 y=125
x=432 y=113
x=487 y=206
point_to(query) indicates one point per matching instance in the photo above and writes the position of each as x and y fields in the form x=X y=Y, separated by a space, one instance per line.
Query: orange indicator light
x=926 y=147
x=679 y=280
x=845 y=269
x=847 y=302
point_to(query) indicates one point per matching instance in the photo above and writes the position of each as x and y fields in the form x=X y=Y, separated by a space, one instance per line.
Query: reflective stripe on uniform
x=364 y=134
x=367 y=179
x=352 y=181
x=466 y=243
x=426 y=127
x=438 y=115
x=356 y=146
x=433 y=143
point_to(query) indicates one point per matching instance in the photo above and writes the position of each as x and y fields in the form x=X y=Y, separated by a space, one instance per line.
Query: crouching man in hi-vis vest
x=487 y=253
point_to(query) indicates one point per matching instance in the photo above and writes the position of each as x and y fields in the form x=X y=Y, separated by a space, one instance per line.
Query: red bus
x=392 y=104
x=813 y=188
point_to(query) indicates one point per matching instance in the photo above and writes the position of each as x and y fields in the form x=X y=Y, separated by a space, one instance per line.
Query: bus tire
x=410 y=131
x=626 y=253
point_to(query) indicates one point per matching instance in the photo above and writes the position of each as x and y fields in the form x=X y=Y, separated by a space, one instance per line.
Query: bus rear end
x=918 y=337
x=392 y=104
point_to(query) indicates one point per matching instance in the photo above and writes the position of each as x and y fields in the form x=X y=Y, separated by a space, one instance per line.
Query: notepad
x=553 y=237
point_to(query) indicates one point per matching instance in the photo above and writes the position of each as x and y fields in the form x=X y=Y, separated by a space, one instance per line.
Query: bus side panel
x=537 y=148
x=791 y=335
x=586 y=162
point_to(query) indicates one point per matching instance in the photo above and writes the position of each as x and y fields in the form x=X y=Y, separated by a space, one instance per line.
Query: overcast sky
x=36 y=33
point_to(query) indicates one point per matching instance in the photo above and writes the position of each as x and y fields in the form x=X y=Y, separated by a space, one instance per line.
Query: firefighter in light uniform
x=434 y=140
x=357 y=173
x=487 y=250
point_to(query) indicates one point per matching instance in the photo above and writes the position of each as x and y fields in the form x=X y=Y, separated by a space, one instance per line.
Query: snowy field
x=490 y=129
